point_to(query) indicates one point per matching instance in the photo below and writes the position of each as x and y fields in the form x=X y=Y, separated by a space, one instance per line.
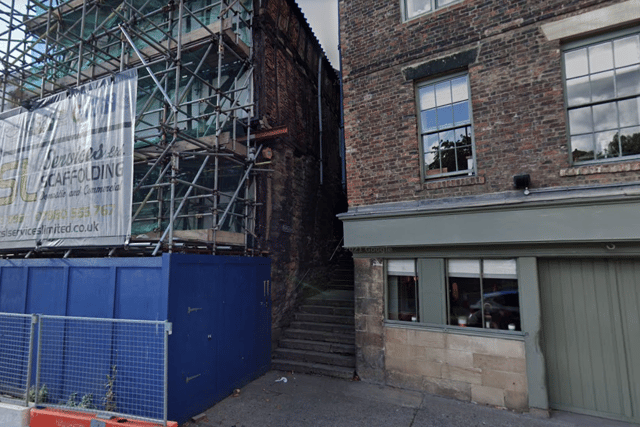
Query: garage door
x=591 y=335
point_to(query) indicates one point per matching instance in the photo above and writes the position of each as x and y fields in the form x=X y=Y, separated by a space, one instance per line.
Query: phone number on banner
x=55 y=214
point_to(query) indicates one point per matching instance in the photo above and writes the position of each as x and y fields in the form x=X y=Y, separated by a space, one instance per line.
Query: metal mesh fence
x=103 y=365
x=15 y=345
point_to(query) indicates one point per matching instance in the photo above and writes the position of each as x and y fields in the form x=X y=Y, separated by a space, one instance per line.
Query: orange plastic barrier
x=59 y=418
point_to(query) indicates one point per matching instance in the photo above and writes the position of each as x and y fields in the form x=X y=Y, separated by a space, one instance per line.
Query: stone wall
x=483 y=370
x=479 y=369
x=516 y=93
x=369 y=312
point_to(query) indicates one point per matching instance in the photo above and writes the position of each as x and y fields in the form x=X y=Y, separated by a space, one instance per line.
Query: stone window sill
x=446 y=329
x=453 y=182
x=596 y=169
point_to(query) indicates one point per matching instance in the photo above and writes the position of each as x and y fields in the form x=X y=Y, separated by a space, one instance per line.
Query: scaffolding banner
x=66 y=167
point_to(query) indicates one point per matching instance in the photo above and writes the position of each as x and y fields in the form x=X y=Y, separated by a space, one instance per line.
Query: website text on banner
x=66 y=167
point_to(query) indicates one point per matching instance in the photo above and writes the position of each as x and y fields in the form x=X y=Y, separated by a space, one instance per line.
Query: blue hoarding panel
x=133 y=288
x=215 y=307
x=220 y=308
x=47 y=290
x=87 y=286
x=141 y=282
x=13 y=289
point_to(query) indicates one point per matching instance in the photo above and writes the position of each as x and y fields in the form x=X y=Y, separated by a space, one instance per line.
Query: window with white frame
x=402 y=295
x=413 y=8
x=602 y=82
x=445 y=127
x=468 y=293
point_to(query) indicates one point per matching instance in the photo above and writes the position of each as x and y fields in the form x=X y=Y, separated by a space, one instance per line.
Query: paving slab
x=307 y=400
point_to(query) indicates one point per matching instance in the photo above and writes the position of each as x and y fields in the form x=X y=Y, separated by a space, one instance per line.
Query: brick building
x=493 y=178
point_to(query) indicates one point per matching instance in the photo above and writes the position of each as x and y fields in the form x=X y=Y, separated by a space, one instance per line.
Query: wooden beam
x=203 y=235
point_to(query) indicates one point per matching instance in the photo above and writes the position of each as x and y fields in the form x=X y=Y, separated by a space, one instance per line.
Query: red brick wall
x=296 y=221
x=516 y=88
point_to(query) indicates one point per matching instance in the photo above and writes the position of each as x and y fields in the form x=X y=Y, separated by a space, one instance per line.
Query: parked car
x=501 y=310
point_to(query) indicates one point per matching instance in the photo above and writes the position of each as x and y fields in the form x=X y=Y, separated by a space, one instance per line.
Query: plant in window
x=445 y=122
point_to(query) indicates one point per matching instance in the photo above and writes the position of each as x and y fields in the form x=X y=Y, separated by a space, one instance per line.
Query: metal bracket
x=189 y=309
x=191 y=378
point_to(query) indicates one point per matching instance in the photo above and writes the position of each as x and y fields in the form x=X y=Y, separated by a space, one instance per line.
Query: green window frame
x=602 y=97
x=471 y=293
x=445 y=127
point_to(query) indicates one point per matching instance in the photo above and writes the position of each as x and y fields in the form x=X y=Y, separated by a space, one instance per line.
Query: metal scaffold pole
x=194 y=152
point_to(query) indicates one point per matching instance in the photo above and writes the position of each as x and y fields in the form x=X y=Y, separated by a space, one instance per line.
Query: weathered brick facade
x=296 y=222
x=410 y=230
x=516 y=94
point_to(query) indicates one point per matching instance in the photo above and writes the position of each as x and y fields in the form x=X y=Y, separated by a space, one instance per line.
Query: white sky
x=322 y=15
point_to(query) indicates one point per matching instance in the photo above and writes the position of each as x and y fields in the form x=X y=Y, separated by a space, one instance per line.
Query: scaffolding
x=195 y=151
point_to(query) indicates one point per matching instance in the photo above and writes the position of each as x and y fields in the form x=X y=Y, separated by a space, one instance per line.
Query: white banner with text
x=66 y=167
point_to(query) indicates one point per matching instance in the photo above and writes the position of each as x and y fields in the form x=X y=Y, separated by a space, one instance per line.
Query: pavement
x=306 y=400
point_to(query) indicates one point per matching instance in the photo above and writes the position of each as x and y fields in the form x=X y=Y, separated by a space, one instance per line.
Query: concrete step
x=342 y=280
x=336 y=328
x=346 y=283
x=315 y=357
x=312 y=368
x=325 y=318
x=322 y=309
x=321 y=346
x=349 y=303
x=339 y=287
x=303 y=334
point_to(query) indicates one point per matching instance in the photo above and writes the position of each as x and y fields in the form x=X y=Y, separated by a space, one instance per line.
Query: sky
x=322 y=15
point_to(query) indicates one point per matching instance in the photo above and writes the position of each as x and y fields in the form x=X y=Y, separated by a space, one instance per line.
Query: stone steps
x=321 y=346
x=322 y=309
x=311 y=356
x=321 y=338
x=336 y=328
x=303 y=334
x=312 y=368
x=324 y=318
x=330 y=303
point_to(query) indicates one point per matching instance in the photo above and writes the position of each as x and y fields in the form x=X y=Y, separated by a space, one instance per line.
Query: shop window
x=483 y=294
x=470 y=293
x=402 y=282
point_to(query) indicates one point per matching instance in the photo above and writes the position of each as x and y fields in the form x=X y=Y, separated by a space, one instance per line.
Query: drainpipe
x=343 y=154
x=320 y=116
